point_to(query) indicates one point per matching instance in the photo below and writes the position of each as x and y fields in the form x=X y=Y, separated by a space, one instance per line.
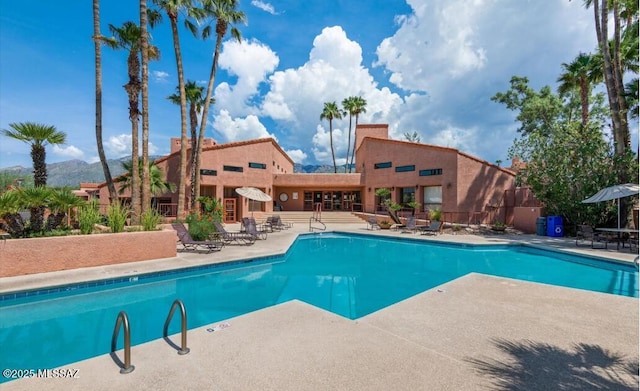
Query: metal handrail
x=123 y=320
x=183 y=312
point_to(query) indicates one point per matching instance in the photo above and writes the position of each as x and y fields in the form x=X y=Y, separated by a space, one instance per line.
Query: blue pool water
x=350 y=275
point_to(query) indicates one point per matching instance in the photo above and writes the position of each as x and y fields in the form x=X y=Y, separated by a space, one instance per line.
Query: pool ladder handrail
x=123 y=320
x=183 y=312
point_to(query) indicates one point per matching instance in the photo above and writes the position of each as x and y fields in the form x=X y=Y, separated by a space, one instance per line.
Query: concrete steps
x=303 y=217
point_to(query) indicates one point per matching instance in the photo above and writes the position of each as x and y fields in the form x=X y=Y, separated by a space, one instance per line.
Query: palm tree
x=10 y=213
x=579 y=74
x=157 y=184
x=145 y=196
x=35 y=199
x=128 y=37
x=172 y=8
x=359 y=107
x=348 y=105
x=38 y=135
x=60 y=205
x=331 y=112
x=98 y=61
x=196 y=102
x=224 y=13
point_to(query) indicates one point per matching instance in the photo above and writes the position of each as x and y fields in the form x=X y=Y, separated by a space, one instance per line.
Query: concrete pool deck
x=475 y=332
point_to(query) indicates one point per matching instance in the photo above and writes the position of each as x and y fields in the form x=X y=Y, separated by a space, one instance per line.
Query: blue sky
x=424 y=66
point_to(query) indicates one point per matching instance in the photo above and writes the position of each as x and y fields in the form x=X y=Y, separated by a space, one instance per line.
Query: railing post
x=183 y=329
x=123 y=320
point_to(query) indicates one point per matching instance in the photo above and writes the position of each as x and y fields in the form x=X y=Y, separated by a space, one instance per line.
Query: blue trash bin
x=541 y=226
x=554 y=226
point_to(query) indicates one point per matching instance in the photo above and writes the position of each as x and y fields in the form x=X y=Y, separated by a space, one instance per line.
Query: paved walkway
x=476 y=332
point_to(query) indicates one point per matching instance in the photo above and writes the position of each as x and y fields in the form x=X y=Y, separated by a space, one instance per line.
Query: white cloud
x=267 y=7
x=237 y=129
x=120 y=146
x=297 y=155
x=160 y=76
x=70 y=152
x=251 y=62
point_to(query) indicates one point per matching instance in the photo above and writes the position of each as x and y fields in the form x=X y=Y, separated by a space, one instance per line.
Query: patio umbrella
x=614 y=193
x=253 y=193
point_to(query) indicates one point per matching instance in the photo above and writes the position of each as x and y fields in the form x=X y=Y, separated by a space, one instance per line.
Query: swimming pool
x=350 y=275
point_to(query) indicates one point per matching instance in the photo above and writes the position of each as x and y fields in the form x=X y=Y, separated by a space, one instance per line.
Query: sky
x=425 y=66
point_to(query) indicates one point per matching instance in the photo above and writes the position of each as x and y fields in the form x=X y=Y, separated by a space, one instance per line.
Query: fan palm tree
x=331 y=112
x=579 y=74
x=60 y=205
x=223 y=13
x=10 y=213
x=156 y=178
x=145 y=196
x=38 y=136
x=98 y=62
x=172 y=8
x=128 y=37
x=35 y=199
x=196 y=102
x=348 y=104
x=359 y=107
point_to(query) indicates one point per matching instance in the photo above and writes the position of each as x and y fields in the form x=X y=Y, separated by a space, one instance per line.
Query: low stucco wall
x=39 y=255
x=525 y=218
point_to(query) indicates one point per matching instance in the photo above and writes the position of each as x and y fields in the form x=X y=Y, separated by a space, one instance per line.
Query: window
x=405 y=168
x=233 y=168
x=432 y=197
x=408 y=194
x=258 y=165
x=433 y=171
x=382 y=165
x=209 y=172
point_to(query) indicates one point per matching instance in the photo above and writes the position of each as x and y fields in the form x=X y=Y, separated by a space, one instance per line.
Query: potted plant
x=498 y=226
x=385 y=224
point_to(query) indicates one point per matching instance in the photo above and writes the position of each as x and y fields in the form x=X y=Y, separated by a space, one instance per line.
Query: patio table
x=619 y=232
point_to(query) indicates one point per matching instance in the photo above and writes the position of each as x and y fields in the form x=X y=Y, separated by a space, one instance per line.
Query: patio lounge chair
x=585 y=233
x=434 y=228
x=410 y=226
x=397 y=223
x=237 y=237
x=372 y=224
x=251 y=228
x=277 y=222
x=189 y=244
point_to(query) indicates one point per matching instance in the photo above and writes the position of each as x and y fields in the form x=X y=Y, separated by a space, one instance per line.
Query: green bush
x=150 y=220
x=435 y=214
x=200 y=226
x=88 y=216
x=117 y=217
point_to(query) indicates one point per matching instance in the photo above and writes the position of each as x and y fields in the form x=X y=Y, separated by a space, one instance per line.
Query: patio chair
x=277 y=221
x=585 y=233
x=237 y=237
x=434 y=228
x=189 y=244
x=251 y=228
x=410 y=225
x=372 y=224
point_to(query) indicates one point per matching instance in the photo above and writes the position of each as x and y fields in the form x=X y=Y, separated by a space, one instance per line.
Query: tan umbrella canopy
x=253 y=193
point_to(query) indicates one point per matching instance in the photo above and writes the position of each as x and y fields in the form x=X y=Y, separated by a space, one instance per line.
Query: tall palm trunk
x=183 y=117
x=193 y=122
x=220 y=32
x=333 y=154
x=584 y=102
x=353 y=151
x=38 y=156
x=113 y=195
x=133 y=91
x=144 y=40
x=348 y=146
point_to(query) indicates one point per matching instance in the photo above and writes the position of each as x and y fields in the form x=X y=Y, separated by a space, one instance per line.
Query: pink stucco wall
x=40 y=255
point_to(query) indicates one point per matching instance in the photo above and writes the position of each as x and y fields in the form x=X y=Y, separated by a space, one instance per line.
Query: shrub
x=150 y=220
x=88 y=216
x=117 y=217
x=200 y=226
x=435 y=214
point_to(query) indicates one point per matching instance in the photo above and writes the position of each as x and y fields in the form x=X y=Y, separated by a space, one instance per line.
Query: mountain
x=72 y=172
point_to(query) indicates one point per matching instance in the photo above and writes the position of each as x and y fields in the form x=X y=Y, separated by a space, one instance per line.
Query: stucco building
x=462 y=186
